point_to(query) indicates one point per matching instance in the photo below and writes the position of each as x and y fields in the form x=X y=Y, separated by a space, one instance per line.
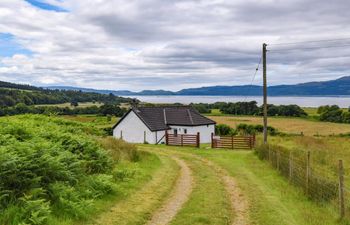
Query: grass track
x=208 y=202
x=137 y=208
x=273 y=201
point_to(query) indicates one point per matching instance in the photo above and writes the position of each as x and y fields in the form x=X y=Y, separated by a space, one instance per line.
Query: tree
x=108 y=109
x=331 y=113
x=74 y=103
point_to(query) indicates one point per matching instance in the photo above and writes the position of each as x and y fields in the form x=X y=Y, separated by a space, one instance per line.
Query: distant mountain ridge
x=339 y=86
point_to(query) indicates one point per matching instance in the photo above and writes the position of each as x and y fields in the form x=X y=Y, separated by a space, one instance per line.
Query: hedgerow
x=48 y=167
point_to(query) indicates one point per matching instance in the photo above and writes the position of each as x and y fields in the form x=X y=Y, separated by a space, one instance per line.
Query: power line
x=315 y=41
x=308 y=48
x=251 y=83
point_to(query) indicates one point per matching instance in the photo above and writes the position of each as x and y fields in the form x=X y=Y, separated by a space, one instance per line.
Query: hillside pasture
x=68 y=104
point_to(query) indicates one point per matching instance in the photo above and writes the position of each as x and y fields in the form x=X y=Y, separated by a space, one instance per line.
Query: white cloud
x=153 y=44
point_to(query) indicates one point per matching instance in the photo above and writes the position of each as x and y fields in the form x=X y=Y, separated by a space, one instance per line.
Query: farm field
x=288 y=125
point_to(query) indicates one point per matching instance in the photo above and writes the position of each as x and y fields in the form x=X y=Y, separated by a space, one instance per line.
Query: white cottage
x=149 y=124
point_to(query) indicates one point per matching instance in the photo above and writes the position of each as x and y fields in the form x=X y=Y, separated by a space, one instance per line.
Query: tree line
x=21 y=108
x=33 y=96
x=250 y=108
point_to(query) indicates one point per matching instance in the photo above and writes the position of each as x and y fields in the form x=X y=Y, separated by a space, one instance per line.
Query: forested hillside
x=12 y=94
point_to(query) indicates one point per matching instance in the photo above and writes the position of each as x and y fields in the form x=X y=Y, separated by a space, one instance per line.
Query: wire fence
x=322 y=185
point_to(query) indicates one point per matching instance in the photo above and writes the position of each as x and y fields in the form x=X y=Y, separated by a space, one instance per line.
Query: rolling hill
x=336 y=87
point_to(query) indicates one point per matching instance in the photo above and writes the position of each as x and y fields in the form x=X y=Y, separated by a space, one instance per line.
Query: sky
x=160 y=44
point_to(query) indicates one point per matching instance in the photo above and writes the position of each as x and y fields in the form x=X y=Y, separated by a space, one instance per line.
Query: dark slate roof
x=159 y=118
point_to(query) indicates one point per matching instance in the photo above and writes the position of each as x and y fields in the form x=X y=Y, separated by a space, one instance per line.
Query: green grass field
x=288 y=125
x=67 y=104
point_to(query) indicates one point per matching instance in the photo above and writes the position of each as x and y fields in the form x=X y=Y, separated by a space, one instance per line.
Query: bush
x=331 y=113
x=52 y=166
x=247 y=129
x=223 y=129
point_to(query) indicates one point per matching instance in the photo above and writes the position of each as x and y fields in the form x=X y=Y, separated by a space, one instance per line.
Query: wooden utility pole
x=265 y=92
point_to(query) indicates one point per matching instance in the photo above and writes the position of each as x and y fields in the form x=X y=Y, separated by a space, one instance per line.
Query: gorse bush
x=49 y=166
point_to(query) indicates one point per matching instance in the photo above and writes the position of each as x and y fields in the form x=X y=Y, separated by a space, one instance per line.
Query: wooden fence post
x=278 y=160
x=290 y=167
x=341 y=190
x=212 y=140
x=182 y=139
x=166 y=138
x=307 y=172
x=198 y=139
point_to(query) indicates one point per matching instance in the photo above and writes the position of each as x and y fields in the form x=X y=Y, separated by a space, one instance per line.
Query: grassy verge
x=272 y=200
x=141 y=198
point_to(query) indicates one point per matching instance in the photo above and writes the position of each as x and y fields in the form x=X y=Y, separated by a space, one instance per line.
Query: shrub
x=52 y=166
x=223 y=129
x=248 y=129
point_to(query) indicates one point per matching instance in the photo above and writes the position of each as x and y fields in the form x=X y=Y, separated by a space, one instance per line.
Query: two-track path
x=178 y=197
x=239 y=204
x=164 y=212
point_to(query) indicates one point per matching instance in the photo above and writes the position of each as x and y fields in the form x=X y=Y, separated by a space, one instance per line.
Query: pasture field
x=67 y=104
x=288 y=124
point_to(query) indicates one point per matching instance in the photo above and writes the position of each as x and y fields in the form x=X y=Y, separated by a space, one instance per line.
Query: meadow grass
x=140 y=197
x=68 y=104
x=288 y=124
x=98 y=121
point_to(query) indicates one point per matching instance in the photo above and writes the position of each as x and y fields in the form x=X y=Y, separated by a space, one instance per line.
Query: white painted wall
x=133 y=130
x=205 y=131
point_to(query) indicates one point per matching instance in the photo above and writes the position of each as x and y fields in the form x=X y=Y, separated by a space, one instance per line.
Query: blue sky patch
x=45 y=6
x=9 y=46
